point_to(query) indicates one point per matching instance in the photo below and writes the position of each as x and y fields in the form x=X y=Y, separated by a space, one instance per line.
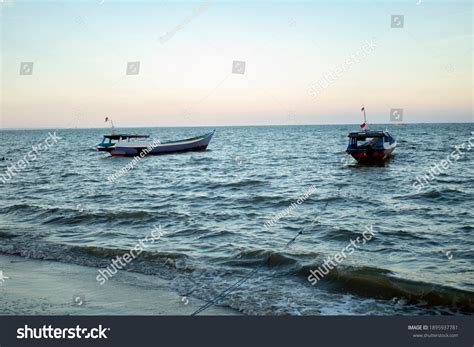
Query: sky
x=311 y=62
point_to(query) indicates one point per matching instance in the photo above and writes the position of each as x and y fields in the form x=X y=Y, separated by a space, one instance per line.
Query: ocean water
x=212 y=207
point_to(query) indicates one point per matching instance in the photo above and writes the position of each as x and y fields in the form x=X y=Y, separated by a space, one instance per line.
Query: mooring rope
x=237 y=284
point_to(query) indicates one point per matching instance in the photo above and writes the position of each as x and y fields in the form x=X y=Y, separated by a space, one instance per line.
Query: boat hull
x=371 y=157
x=188 y=145
x=371 y=146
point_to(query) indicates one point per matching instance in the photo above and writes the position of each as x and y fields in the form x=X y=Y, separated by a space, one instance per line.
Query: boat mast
x=107 y=119
x=365 y=118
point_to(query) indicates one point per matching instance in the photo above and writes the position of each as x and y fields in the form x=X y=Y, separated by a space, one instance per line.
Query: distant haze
x=305 y=62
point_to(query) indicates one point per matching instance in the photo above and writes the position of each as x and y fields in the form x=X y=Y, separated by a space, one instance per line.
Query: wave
x=70 y=174
x=383 y=284
x=204 y=159
x=92 y=218
x=237 y=184
x=404 y=234
x=81 y=215
x=147 y=262
x=331 y=199
x=343 y=234
x=261 y=257
x=467 y=228
x=221 y=233
x=446 y=194
x=6 y=235
x=367 y=282
x=102 y=252
x=275 y=200
x=453 y=180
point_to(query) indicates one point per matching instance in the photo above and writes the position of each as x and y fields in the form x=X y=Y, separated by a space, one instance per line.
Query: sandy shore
x=52 y=288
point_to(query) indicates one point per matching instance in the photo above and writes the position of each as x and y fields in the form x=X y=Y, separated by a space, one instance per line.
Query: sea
x=244 y=222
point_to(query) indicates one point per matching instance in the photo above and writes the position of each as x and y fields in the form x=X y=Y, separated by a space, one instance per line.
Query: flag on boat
x=363 y=125
x=106 y=119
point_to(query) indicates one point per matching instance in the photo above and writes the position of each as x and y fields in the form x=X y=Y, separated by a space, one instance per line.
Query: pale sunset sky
x=80 y=51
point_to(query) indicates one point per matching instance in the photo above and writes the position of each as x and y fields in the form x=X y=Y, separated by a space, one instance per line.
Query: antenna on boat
x=107 y=119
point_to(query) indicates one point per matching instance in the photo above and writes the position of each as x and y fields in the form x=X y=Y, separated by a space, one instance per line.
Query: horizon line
x=232 y=125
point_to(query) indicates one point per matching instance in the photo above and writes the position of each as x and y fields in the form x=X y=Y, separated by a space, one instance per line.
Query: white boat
x=126 y=145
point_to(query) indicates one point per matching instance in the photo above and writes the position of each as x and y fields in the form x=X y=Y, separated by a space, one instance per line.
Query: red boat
x=369 y=147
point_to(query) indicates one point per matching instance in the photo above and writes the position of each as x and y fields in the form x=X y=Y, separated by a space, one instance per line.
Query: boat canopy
x=125 y=136
x=362 y=135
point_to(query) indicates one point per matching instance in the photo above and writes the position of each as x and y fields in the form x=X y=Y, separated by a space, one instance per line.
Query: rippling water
x=212 y=207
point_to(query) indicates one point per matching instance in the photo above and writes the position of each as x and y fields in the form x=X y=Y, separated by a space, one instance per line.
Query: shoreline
x=43 y=287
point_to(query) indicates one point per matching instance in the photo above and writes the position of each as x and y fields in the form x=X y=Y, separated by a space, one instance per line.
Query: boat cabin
x=110 y=140
x=369 y=139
